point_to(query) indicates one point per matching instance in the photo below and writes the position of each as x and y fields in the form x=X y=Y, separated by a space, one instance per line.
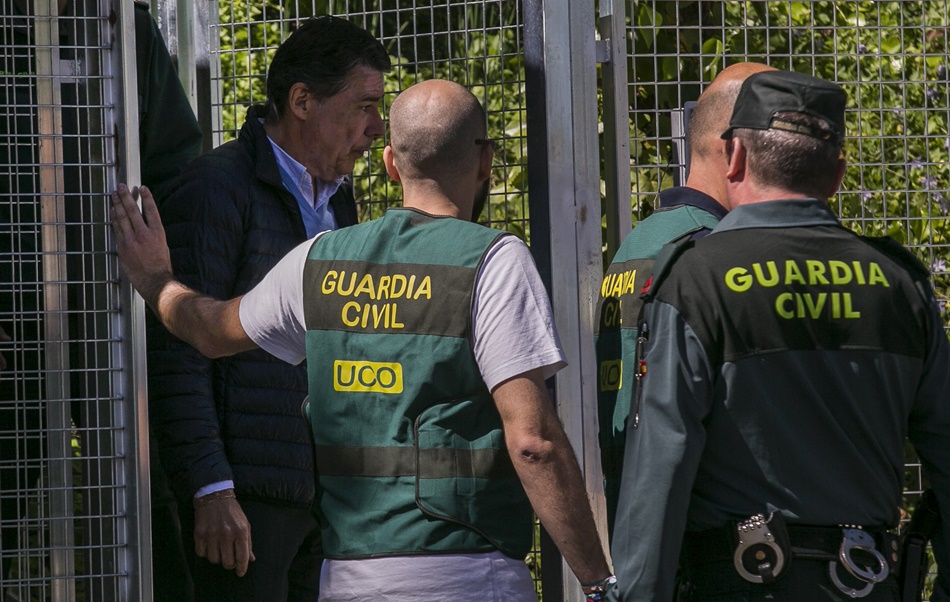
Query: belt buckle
x=857 y=539
x=756 y=545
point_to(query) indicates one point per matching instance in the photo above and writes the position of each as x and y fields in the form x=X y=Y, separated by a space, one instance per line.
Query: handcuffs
x=854 y=538
x=763 y=553
x=760 y=556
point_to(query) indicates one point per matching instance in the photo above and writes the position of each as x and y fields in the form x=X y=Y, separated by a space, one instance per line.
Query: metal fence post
x=56 y=329
x=565 y=202
x=616 y=123
x=132 y=404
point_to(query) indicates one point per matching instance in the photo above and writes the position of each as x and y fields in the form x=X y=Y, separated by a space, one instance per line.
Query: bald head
x=433 y=126
x=711 y=115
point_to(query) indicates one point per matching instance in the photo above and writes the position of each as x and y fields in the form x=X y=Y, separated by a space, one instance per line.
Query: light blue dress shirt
x=314 y=204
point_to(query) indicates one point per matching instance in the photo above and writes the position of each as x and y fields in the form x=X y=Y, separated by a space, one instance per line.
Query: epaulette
x=899 y=253
x=663 y=264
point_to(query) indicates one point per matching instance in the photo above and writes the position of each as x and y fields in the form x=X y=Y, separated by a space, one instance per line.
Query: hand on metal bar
x=140 y=242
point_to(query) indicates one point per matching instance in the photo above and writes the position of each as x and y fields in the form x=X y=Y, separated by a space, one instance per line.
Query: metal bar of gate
x=563 y=62
x=613 y=36
x=52 y=215
x=131 y=406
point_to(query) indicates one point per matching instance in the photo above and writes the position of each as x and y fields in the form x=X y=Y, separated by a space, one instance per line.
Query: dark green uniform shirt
x=684 y=213
x=787 y=359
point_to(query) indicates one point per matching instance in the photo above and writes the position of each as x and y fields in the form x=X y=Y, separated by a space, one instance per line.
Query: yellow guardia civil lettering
x=812 y=273
x=618 y=283
x=815 y=273
x=388 y=286
x=370 y=314
x=367 y=377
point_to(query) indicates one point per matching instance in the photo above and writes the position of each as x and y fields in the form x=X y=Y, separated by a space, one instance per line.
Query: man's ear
x=390 y=163
x=736 y=157
x=298 y=98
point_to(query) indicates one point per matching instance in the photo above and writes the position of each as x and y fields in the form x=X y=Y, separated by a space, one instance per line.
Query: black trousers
x=171 y=577
x=286 y=543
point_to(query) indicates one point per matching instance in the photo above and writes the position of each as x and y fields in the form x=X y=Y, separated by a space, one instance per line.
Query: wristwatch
x=597 y=591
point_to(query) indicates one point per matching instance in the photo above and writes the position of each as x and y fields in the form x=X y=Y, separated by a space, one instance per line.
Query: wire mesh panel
x=891 y=58
x=64 y=447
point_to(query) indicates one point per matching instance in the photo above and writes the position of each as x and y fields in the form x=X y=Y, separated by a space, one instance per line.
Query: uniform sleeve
x=661 y=457
x=272 y=312
x=929 y=431
x=512 y=323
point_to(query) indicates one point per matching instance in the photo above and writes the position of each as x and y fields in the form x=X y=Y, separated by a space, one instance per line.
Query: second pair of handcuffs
x=856 y=539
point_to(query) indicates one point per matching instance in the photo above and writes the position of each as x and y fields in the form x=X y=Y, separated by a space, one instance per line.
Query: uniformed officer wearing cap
x=786 y=360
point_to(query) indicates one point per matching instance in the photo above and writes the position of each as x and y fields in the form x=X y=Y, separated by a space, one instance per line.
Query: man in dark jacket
x=233 y=441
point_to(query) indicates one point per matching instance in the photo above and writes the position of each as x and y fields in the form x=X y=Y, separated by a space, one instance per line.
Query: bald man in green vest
x=428 y=339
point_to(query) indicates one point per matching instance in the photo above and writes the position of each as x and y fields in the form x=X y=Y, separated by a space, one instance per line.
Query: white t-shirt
x=513 y=333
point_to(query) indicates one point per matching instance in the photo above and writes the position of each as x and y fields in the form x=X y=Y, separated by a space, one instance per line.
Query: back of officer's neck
x=434 y=199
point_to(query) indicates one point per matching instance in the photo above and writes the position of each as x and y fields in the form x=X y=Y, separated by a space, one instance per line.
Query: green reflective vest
x=615 y=331
x=410 y=451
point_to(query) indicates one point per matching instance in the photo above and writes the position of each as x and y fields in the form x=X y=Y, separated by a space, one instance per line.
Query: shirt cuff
x=219 y=486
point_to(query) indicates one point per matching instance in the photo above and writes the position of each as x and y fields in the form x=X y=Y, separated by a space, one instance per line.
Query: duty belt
x=838 y=546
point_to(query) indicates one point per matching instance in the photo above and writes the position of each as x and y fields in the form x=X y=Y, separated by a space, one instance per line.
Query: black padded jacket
x=228 y=222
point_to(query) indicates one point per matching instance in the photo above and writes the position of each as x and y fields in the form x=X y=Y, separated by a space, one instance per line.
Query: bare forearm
x=554 y=484
x=211 y=326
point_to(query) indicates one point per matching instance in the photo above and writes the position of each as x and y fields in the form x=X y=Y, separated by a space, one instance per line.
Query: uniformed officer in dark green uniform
x=786 y=361
x=686 y=212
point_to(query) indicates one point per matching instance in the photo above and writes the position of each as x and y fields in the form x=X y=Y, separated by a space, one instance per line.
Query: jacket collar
x=253 y=132
x=684 y=195
x=784 y=213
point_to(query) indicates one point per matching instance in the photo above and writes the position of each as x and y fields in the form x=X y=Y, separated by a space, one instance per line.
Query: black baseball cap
x=764 y=94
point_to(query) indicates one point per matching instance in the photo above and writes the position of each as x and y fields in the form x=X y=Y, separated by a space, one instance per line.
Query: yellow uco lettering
x=611 y=373
x=367 y=377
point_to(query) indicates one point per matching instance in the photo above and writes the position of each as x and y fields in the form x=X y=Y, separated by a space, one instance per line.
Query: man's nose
x=375 y=128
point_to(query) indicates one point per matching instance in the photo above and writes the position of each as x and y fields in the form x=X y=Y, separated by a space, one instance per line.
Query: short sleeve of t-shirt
x=272 y=312
x=512 y=321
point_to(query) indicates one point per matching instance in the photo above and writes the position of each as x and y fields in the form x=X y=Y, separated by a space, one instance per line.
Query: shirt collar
x=684 y=195
x=303 y=180
x=782 y=213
